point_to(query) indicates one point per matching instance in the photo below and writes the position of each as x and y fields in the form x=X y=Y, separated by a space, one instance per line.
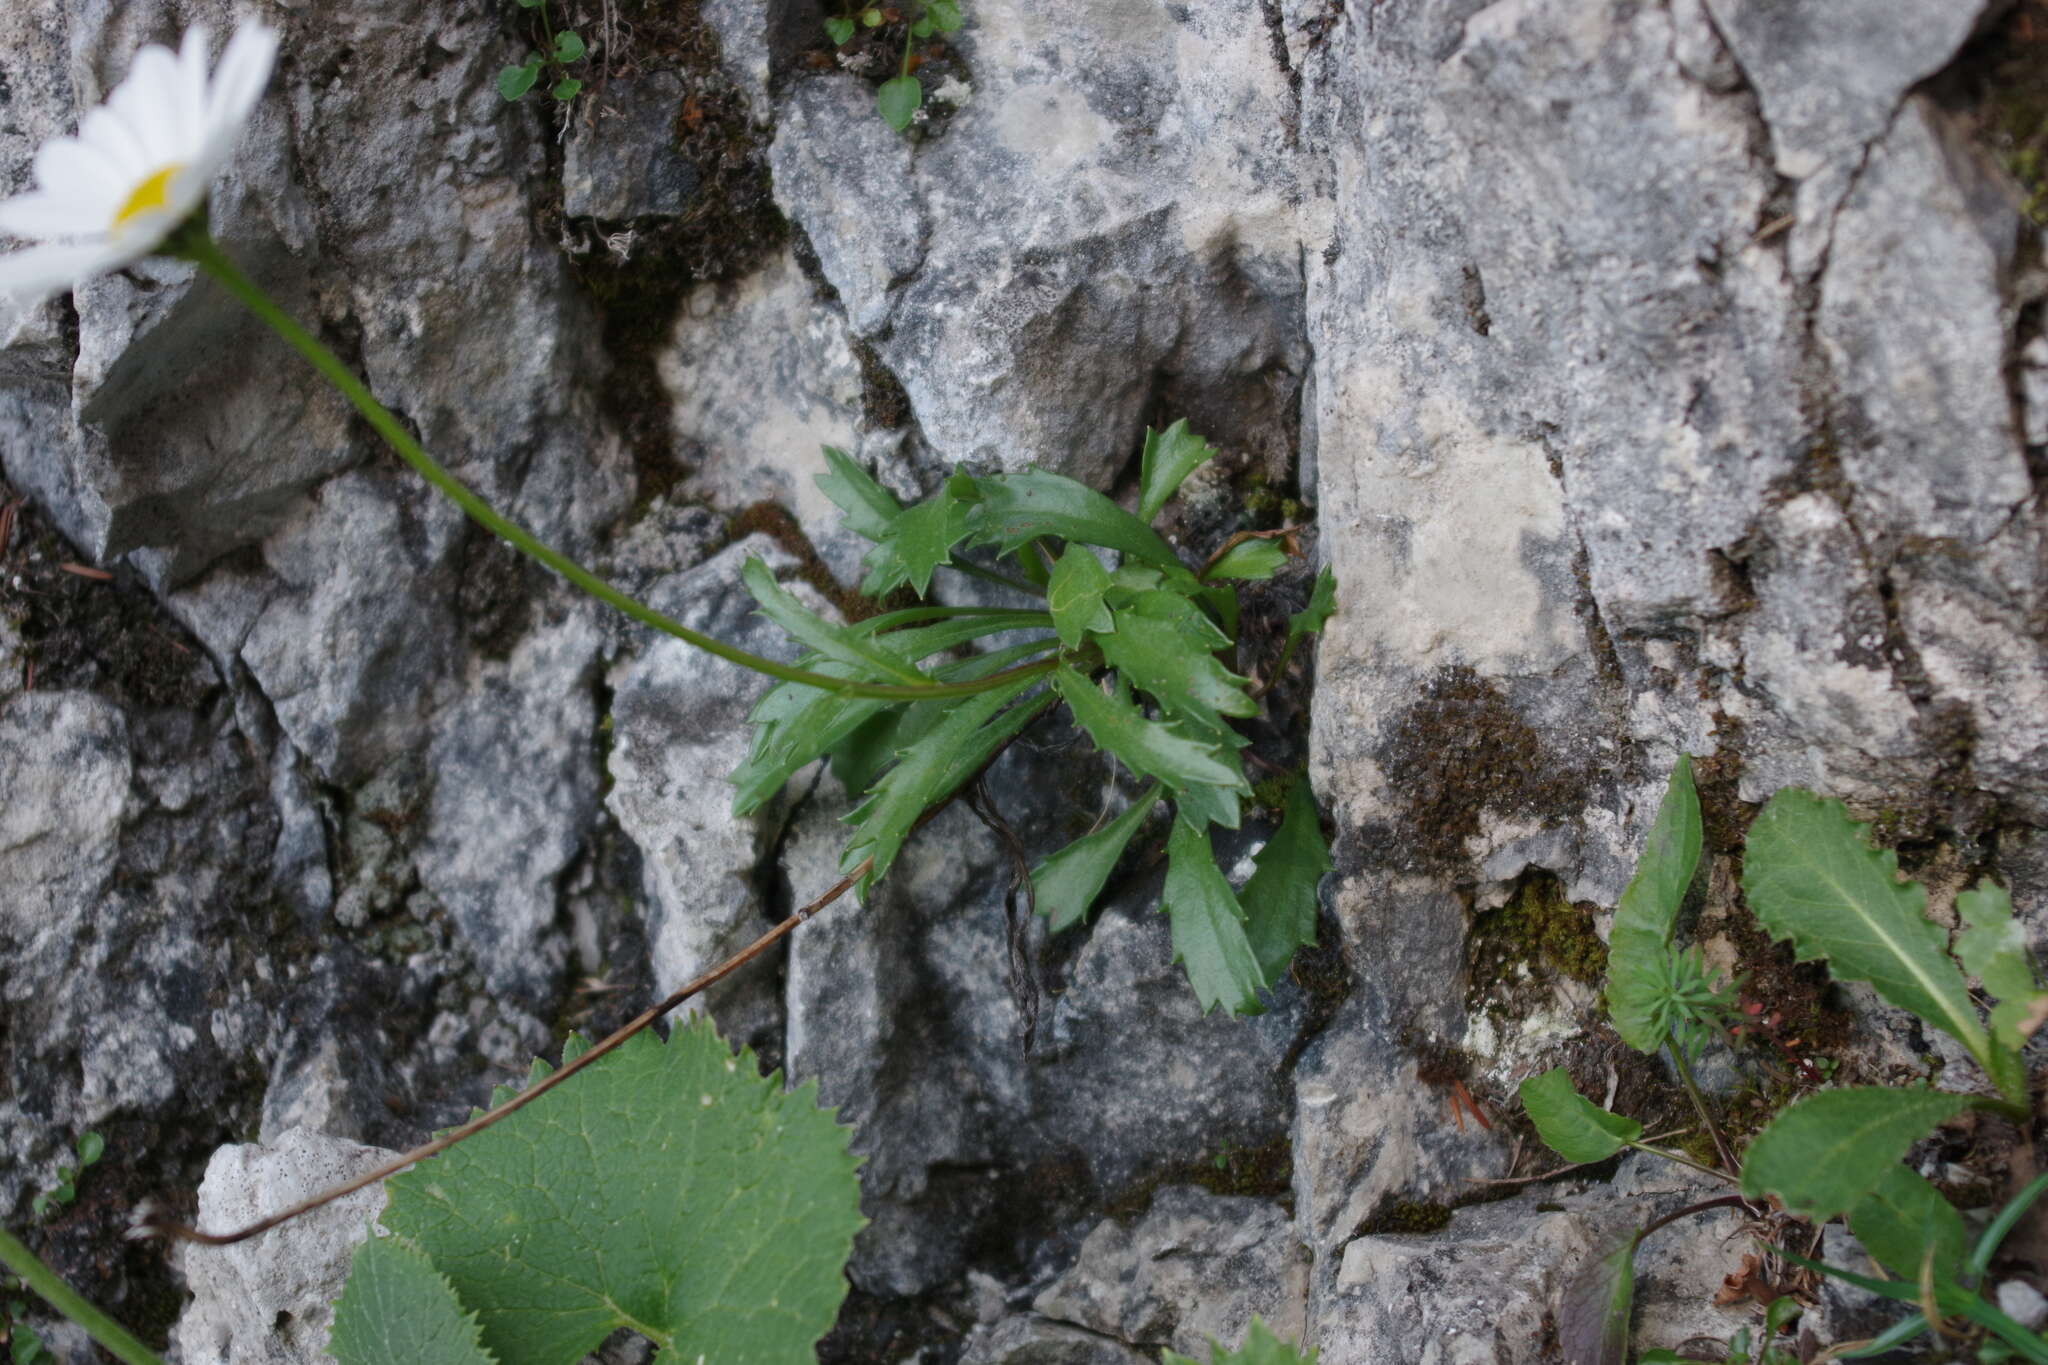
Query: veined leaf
x=1251 y=560
x=1279 y=899
x=1811 y=876
x=1074 y=596
x=1994 y=950
x=1168 y=458
x=399 y=1310
x=1593 y=1312
x=1209 y=936
x=1018 y=508
x=1146 y=747
x=917 y=542
x=672 y=1189
x=1066 y=884
x=1200 y=807
x=898 y=100
x=1260 y=1347
x=1823 y=1154
x=834 y=642
x=869 y=508
x=1572 y=1125
x=930 y=769
x=1162 y=645
x=1901 y=1218
x=1649 y=908
x=873 y=746
x=1322 y=605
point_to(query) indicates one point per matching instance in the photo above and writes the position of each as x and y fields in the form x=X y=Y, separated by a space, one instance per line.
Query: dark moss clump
x=882 y=400
x=1404 y=1218
x=1540 y=927
x=1461 y=749
x=1265 y=1172
x=774 y=521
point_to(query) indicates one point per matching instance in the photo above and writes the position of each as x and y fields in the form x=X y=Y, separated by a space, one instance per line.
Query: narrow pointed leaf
x=1322 y=605
x=1074 y=596
x=1251 y=560
x=1901 y=1218
x=929 y=770
x=671 y=1189
x=399 y=1310
x=1168 y=458
x=1822 y=1155
x=1208 y=926
x=1162 y=645
x=1065 y=885
x=1200 y=807
x=1279 y=900
x=1649 y=908
x=834 y=642
x=1146 y=747
x=1572 y=1125
x=1594 y=1311
x=1811 y=876
x=1019 y=508
x=869 y=508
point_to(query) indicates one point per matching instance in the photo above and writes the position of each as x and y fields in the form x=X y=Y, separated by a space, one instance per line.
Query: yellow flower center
x=153 y=193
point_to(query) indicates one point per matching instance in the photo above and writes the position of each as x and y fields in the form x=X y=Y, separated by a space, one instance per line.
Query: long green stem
x=196 y=246
x=1683 y=1160
x=71 y=1304
x=1699 y=1103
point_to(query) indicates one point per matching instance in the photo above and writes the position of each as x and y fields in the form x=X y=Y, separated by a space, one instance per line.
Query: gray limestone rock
x=1028 y=1340
x=621 y=161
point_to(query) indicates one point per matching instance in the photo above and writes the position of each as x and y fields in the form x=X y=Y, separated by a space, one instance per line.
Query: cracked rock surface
x=1658 y=379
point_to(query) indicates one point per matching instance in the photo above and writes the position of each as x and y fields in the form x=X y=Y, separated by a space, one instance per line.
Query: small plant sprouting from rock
x=89 y=1148
x=1260 y=1347
x=900 y=97
x=559 y=51
x=1811 y=876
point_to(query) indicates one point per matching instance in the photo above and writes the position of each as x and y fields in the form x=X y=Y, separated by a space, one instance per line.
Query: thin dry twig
x=1562 y=1170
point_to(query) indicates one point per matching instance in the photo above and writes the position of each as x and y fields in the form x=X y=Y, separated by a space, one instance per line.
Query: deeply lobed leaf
x=1168 y=458
x=1209 y=936
x=1016 y=509
x=1147 y=747
x=872 y=659
x=1162 y=644
x=1074 y=596
x=1279 y=899
x=1065 y=885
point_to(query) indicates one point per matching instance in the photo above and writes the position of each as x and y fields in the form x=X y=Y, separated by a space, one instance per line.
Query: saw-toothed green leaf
x=1279 y=899
x=873 y=746
x=1016 y=509
x=1074 y=596
x=1902 y=1219
x=1260 y=1347
x=929 y=770
x=1066 y=884
x=1994 y=950
x=1251 y=560
x=1811 y=876
x=1572 y=1125
x=1161 y=645
x=868 y=508
x=1594 y=1310
x=1641 y=938
x=1209 y=937
x=834 y=642
x=1322 y=604
x=399 y=1310
x=671 y=1189
x=1823 y=1154
x=916 y=543
x=1168 y=458
x=1147 y=747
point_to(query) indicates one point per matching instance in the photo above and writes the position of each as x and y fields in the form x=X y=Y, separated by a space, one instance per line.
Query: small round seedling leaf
x=515 y=81
x=839 y=30
x=898 y=101
x=91 y=1147
x=569 y=46
x=871 y=17
x=670 y=1189
x=945 y=15
x=568 y=88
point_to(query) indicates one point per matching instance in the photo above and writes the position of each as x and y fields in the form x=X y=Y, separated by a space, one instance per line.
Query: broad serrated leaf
x=1260 y=1347
x=1200 y=807
x=1066 y=884
x=1822 y=1155
x=1572 y=1125
x=1016 y=509
x=1322 y=605
x=1209 y=937
x=834 y=642
x=1251 y=560
x=399 y=1310
x=1146 y=747
x=1811 y=876
x=1279 y=899
x=1901 y=1218
x=1168 y=458
x=1161 y=645
x=1994 y=950
x=869 y=509
x=898 y=101
x=1641 y=937
x=917 y=542
x=1594 y=1310
x=1074 y=596
x=671 y=1189
x=929 y=770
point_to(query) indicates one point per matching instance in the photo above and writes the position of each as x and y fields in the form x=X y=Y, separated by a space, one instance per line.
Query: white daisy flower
x=139 y=167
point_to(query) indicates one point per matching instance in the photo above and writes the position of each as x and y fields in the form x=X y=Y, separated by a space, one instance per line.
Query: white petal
x=148 y=103
x=112 y=135
x=238 y=83
x=50 y=216
x=42 y=271
x=192 y=63
x=85 y=175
